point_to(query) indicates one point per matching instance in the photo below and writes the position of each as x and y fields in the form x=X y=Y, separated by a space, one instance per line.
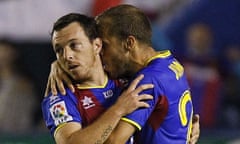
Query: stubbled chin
x=78 y=77
x=74 y=73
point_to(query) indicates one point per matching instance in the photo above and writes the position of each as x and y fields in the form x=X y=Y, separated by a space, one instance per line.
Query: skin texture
x=126 y=51
x=80 y=59
x=58 y=73
x=78 y=56
x=195 y=129
x=115 y=55
x=122 y=59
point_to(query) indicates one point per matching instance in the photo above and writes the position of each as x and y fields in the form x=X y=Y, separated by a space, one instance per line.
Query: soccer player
x=72 y=118
x=127 y=53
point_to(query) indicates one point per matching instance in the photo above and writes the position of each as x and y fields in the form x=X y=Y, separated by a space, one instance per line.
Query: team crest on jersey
x=87 y=102
x=59 y=113
x=108 y=94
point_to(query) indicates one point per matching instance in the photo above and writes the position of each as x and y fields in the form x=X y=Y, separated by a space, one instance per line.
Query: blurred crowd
x=204 y=39
x=17 y=95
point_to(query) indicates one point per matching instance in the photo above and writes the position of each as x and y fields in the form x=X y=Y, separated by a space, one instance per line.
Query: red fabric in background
x=101 y=5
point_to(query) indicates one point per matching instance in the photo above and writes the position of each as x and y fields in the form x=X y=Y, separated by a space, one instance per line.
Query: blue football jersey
x=168 y=120
x=82 y=106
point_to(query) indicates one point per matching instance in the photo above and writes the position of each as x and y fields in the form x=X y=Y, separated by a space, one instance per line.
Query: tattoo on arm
x=105 y=134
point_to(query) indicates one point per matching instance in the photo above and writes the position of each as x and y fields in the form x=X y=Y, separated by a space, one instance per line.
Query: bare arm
x=124 y=131
x=56 y=78
x=121 y=133
x=96 y=133
x=99 y=130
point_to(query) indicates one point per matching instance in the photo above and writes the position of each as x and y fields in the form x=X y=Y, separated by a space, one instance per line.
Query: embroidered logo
x=87 y=102
x=59 y=113
x=108 y=94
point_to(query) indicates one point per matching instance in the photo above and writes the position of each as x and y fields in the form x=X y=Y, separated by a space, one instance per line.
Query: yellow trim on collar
x=132 y=122
x=90 y=87
x=162 y=54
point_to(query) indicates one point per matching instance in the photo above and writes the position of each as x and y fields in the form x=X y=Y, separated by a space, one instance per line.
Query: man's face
x=114 y=57
x=74 y=51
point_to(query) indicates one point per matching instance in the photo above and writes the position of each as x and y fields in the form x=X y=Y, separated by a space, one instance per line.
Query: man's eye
x=75 y=45
x=58 y=50
x=72 y=45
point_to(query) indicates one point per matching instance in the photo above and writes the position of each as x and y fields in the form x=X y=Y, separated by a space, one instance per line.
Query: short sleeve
x=58 y=110
x=139 y=117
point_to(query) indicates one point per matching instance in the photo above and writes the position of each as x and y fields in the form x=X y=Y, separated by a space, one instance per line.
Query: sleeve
x=58 y=110
x=139 y=117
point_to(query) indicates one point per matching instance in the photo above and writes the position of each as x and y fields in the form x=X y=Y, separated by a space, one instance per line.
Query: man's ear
x=130 y=43
x=97 y=43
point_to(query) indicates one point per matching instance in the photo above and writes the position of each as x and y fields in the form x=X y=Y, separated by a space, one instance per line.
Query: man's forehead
x=59 y=36
x=72 y=28
x=71 y=31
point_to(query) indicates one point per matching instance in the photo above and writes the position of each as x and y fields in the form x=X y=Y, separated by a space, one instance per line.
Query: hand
x=195 y=129
x=130 y=99
x=56 y=79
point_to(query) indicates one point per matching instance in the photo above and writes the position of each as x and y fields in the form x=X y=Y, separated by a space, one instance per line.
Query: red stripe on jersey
x=88 y=105
x=156 y=117
x=159 y=113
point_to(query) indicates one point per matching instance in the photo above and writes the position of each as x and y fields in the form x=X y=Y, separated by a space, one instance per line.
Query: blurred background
x=204 y=35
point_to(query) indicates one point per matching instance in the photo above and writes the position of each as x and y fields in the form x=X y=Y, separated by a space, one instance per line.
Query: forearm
x=121 y=133
x=98 y=131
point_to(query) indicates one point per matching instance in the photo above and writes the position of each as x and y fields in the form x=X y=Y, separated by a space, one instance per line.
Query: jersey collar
x=162 y=54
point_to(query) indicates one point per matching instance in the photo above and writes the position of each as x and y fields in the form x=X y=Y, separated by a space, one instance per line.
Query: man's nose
x=68 y=54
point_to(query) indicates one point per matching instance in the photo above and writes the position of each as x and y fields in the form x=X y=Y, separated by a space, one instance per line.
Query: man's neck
x=94 y=82
x=142 y=55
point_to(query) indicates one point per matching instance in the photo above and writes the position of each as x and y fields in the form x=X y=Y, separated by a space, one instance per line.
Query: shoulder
x=60 y=109
x=53 y=99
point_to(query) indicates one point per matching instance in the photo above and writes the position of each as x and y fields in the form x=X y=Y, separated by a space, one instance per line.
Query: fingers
x=143 y=87
x=67 y=82
x=132 y=90
x=62 y=78
x=135 y=82
x=53 y=87
x=60 y=86
x=131 y=100
x=57 y=79
x=193 y=140
x=144 y=97
x=71 y=87
x=55 y=84
x=195 y=129
x=47 y=90
x=196 y=118
x=141 y=99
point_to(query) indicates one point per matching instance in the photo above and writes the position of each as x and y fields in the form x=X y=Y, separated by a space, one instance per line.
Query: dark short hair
x=87 y=23
x=124 y=20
